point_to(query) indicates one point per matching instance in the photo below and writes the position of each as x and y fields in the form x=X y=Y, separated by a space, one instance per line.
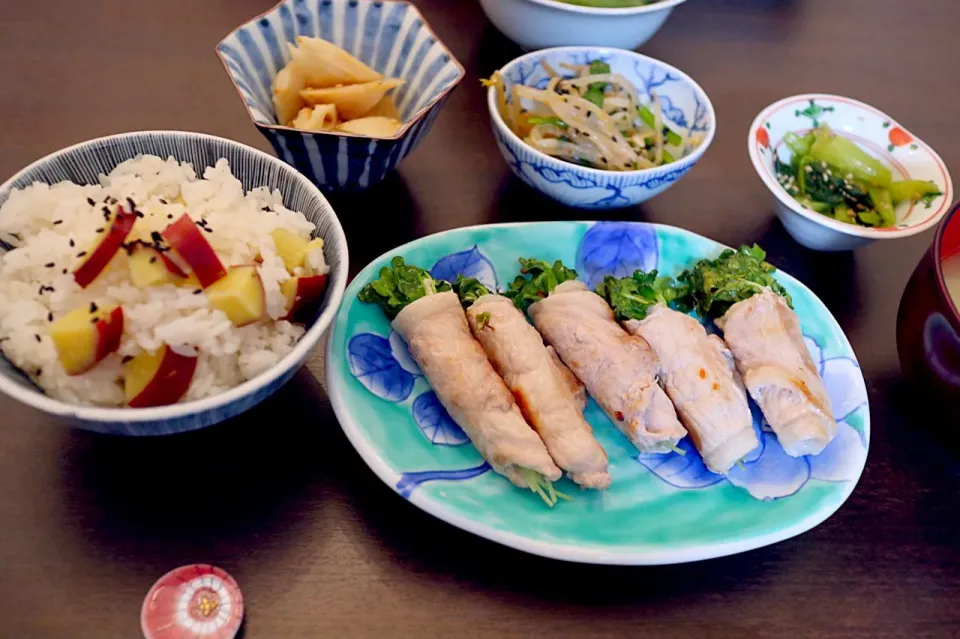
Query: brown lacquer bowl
x=928 y=324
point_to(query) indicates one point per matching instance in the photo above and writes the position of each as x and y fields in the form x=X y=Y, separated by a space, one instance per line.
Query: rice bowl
x=49 y=229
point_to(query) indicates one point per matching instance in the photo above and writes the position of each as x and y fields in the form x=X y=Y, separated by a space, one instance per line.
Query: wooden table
x=279 y=498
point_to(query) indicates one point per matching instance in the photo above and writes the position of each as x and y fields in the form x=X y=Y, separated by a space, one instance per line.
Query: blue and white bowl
x=390 y=37
x=685 y=107
x=83 y=163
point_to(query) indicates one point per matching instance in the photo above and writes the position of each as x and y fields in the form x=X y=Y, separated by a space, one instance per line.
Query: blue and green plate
x=662 y=508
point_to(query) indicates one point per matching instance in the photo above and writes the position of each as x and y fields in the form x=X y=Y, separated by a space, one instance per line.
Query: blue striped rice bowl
x=391 y=37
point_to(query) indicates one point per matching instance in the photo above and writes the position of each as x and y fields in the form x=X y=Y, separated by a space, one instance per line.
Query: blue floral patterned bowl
x=660 y=508
x=685 y=106
x=84 y=163
x=390 y=37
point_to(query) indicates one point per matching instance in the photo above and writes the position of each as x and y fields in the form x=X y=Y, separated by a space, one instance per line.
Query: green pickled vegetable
x=646 y=116
x=883 y=204
x=552 y=119
x=846 y=157
x=799 y=145
x=599 y=67
x=831 y=175
x=912 y=190
x=594 y=93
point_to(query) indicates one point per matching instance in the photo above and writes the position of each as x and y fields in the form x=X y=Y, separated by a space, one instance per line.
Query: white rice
x=41 y=220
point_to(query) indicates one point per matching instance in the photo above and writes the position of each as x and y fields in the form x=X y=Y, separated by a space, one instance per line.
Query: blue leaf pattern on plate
x=681 y=471
x=846 y=390
x=372 y=362
x=758 y=423
x=398 y=347
x=469 y=263
x=435 y=422
x=768 y=472
x=841 y=459
x=775 y=474
x=616 y=248
x=816 y=353
x=409 y=481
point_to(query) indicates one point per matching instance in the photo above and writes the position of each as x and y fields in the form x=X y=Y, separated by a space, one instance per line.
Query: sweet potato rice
x=54 y=229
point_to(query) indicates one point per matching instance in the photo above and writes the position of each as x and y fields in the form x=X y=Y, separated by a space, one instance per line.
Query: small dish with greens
x=845 y=174
x=587 y=127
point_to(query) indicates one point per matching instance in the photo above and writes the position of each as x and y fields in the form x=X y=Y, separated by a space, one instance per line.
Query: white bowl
x=83 y=163
x=686 y=108
x=876 y=133
x=537 y=24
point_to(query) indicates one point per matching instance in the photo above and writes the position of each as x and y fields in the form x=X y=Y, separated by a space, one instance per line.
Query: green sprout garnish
x=542 y=486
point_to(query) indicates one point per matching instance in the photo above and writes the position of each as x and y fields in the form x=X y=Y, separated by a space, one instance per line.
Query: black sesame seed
x=153 y=259
x=91 y=201
x=156 y=237
x=197 y=291
x=42 y=289
x=126 y=359
x=72 y=243
x=113 y=200
x=162 y=201
x=106 y=213
x=37 y=337
x=207 y=229
x=106 y=199
x=133 y=205
x=99 y=229
x=55 y=222
x=93 y=307
x=50 y=316
x=94 y=320
x=39 y=372
x=49 y=265
x=139 y=213
x=64 y=271
x=169 y=216
x=265 y=208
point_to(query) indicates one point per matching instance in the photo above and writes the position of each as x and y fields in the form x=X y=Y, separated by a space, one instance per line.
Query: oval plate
x=661 y=508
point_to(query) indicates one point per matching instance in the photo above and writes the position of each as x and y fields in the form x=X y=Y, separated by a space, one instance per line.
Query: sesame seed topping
x=169 y=216
x=197 y=291
x=93 y=307
x=37 y=337
x=56 y=222
x=162 y=201
x=126 y=358
x=99 y=229
x=72 y=243
x=50 y=316
x=49 y=265
x=91 y=201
